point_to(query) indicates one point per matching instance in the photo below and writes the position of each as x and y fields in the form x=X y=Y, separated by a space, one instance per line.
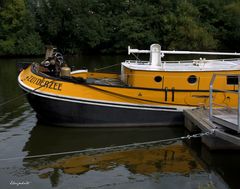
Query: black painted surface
x=79 y=114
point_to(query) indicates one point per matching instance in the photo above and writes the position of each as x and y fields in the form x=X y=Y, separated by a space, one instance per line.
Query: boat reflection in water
x=165 y=159
x=155 y=166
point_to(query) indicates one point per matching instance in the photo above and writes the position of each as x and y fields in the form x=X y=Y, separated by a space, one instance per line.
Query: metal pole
x=238 y=103
x=211 y=97
x=183 y=52
x=201 y=53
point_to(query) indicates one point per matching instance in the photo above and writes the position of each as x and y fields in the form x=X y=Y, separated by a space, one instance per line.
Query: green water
x=185 y=165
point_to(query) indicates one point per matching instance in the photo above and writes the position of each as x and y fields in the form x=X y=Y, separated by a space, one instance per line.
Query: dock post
x=190 y=126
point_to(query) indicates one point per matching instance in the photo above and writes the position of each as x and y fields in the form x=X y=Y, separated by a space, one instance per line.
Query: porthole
x=158 y=79
x=192 y=79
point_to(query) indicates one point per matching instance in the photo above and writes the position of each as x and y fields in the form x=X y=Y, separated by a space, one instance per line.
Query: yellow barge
x=146 y=93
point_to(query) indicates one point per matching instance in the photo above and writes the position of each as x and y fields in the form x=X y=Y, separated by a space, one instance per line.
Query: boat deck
x=106 y=81
x=186 y=65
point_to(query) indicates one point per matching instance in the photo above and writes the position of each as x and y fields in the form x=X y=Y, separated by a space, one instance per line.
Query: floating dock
x=223 y=123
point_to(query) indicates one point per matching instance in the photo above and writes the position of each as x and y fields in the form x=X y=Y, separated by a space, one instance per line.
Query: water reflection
x=58 y=139
x=224 y=164
x=8 y=85
x=167 y=160
x=191 y=164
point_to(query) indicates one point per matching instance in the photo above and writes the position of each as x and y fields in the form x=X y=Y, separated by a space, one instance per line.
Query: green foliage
x=111 y=25
x=17 y=32
x=231 y=26
x=188 y=32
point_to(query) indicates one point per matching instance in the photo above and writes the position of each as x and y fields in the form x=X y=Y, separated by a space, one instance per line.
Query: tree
x=187 y=31
x=231 y=26
x=17 y=32
x=110 y=26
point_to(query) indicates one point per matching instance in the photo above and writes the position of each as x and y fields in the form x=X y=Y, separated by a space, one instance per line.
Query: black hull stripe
x=64 y=113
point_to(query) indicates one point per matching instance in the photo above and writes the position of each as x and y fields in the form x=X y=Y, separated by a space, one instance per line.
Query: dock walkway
x=221 y=123
x=228 y=118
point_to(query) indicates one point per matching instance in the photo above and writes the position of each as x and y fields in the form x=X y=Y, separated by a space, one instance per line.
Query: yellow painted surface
x=176 y=80
x=143 y=95
x=171 y=159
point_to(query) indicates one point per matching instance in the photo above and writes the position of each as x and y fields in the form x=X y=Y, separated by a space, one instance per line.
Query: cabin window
x=158 y=79
x=192 y=79
x=232 y=80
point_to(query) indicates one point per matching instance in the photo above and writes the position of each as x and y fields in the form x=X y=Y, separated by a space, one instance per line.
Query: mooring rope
x=17 y=97
x=103 y=68
x=112 y=148
x=12 y=99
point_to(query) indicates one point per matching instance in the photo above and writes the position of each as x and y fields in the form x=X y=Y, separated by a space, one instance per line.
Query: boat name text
x=43 y=83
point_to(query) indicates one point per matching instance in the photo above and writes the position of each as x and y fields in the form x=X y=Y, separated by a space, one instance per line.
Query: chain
x=198 y=135
x=114 y=148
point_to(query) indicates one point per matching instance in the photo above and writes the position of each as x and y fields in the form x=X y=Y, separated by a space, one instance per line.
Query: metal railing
x=211 y=90
x=140 y=62
x=194 y=62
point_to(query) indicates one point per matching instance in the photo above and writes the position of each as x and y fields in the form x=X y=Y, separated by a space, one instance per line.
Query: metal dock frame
x=234 y=122
x=225 y=135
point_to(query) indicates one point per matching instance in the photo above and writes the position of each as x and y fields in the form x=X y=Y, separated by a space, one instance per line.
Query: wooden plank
x=228 y=137
x=200 y=118
x=229 y=121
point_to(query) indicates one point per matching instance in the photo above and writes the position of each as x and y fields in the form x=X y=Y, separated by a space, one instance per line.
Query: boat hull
x=67 y=112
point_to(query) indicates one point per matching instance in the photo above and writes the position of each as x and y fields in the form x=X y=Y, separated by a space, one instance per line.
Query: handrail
x=211 y=90
x=195 y=61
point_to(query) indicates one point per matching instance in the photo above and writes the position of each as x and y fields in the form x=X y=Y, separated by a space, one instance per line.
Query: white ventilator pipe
x=155 y=55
